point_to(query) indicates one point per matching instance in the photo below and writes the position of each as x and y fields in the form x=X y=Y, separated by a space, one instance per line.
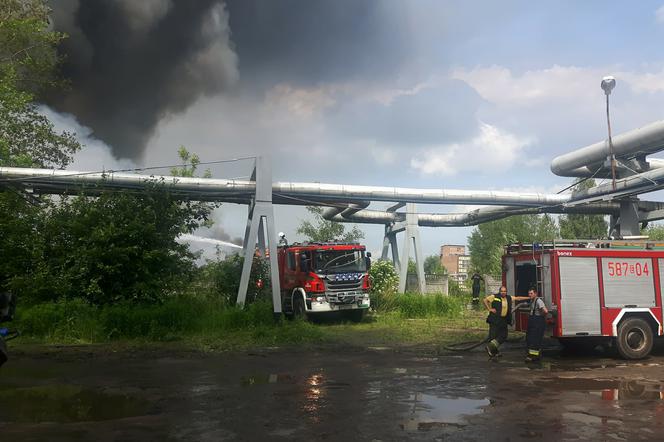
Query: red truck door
x=290 y=275
x=579 y=296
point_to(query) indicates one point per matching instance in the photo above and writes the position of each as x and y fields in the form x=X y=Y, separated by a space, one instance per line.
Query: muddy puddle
x=428 y=412
x=607 y=389
x=262 y=379
x=66 y=403
x=317 y=380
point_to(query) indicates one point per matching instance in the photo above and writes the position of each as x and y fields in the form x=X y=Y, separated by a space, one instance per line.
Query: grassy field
x=403 y=321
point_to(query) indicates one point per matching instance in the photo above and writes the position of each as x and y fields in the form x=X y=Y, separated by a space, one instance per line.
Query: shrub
x=224 y=278
x=454 y=289
x=72 y=320
x=384 y=284
x=415 y=305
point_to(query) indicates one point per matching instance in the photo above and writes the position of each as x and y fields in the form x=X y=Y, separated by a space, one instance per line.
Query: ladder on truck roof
x=635 y=244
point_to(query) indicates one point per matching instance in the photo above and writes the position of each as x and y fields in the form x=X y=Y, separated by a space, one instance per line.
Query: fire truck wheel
x=298 y=308
x=634 y=339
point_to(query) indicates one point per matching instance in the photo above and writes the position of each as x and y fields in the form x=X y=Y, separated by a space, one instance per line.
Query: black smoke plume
x=132 y=63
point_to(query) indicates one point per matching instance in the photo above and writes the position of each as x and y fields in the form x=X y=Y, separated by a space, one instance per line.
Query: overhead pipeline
x=211 y=189
x=634 y=144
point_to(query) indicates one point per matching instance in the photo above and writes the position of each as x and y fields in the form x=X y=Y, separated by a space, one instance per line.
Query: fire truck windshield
x=336 y=261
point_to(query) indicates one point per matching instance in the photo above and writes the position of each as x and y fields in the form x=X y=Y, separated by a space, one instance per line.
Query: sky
x=427 y=94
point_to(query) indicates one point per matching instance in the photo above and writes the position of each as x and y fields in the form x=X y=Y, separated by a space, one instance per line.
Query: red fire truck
x=322 y=278
x=604 y=292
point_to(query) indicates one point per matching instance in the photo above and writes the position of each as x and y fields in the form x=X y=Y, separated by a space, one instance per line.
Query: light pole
x=608 y=83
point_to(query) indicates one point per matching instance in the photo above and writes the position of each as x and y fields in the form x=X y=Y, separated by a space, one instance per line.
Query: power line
x=580 y=181
x=135 y=169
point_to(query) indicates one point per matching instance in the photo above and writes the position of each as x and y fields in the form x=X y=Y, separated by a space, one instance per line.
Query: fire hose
x=470 y=345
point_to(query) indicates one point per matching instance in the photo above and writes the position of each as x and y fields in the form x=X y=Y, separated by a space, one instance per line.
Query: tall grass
x=213 y=324
x=415 y=305
x=77 y=321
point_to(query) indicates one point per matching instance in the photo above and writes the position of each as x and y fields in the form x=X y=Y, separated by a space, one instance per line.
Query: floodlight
x=608 y=83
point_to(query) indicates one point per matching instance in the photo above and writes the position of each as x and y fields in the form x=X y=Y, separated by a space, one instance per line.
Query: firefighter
x=500 y=316
x=476 y=287
x=536 y=326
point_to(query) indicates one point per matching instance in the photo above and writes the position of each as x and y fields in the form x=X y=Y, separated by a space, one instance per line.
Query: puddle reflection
x=261 y=379
x=66 y=403
x=429 y=411
x=608 y=389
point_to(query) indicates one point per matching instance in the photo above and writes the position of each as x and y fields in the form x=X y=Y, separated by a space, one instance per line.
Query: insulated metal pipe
x=476 y=216
x=238 y=191
x=633 y=185
x=209 y=189
x=322 y=192
x=635 y=143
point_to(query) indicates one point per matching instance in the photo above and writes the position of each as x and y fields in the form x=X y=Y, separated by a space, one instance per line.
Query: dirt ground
x=331 y=393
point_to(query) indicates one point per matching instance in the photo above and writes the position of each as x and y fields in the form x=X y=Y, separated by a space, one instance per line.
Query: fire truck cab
x=603 y=292
x=324 y=278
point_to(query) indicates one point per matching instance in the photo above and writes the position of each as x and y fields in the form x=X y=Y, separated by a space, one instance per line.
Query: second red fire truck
x=604 y=292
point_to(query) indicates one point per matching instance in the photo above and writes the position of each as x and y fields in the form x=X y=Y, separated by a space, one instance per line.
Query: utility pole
x=608 y=83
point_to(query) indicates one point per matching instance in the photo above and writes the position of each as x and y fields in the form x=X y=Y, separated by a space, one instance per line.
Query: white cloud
x=659 y=14
x=499 y=85
x=383 y=155
x=492 y=148
x=646 y=82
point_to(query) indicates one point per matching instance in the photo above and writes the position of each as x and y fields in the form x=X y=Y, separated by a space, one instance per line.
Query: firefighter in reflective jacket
x=500 y=316
x=536 y=326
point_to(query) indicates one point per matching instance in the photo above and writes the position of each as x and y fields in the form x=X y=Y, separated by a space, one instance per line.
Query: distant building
x=455 y=260
x=464 y=265
x=449 y=257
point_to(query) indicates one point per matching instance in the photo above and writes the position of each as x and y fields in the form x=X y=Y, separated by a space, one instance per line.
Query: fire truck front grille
x=341 y=298
x=341 y=286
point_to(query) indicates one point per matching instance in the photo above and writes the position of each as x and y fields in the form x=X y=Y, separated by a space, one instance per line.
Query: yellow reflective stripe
x=503 y=312
x=533 y=352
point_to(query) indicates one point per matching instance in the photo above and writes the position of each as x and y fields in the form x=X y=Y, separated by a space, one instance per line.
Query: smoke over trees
x=133 y=63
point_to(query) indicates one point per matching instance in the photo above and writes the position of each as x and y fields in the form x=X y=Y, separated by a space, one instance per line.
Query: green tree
x=412 y=267
x=583 y=226
x=654 y=232
x=190 y=165
x=322 y=230
x=190 y=162
x=224 y=276
x=28 y=45
x=28 y=62
x=487 y=240
x=114 y=247
x=432 y=266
